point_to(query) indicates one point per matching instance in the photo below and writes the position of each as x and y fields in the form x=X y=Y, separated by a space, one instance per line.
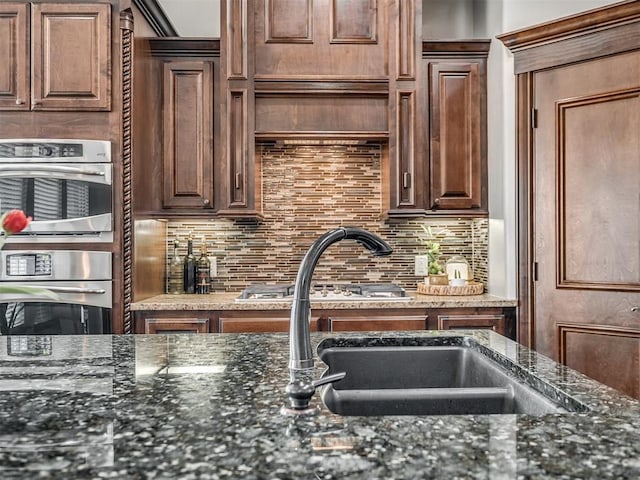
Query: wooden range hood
x=327 y=69
x=324 y=72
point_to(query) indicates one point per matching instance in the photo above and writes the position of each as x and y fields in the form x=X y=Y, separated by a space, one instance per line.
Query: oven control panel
x=28 y=265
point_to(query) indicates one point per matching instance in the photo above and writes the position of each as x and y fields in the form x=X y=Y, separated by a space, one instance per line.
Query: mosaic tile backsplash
x=307 y=191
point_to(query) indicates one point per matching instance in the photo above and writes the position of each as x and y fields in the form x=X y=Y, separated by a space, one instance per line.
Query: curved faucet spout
x=300 y=352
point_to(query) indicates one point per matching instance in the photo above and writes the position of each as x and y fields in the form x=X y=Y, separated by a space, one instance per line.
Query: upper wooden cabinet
x=188 y=135
x=55 y=56
x=438 y=155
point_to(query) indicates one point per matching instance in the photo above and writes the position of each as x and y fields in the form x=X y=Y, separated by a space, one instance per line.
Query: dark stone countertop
x=207 y=407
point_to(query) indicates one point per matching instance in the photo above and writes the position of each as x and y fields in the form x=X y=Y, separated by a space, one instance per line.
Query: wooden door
x=71 y=56
x=14 y=56
x=188 y=135
x=586 y=218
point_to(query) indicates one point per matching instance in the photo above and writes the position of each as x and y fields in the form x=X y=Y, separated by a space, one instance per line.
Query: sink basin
x=425 y=380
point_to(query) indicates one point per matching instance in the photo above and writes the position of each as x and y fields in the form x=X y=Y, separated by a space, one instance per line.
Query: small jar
x=457 y=268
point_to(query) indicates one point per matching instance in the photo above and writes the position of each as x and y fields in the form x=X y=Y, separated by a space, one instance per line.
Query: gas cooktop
x=327 y=292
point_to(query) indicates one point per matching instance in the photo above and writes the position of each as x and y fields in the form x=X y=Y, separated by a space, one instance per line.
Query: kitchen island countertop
x=208 y=406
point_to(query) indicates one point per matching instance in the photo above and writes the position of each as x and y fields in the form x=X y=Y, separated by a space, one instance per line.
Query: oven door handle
x=48 y=169
x=99 y=291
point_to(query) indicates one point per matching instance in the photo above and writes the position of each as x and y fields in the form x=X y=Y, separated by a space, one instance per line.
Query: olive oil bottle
x=175 y=281
x=204 y=265
x=189 y=274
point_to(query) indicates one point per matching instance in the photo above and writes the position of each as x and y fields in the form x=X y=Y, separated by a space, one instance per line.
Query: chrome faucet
x=301 y=385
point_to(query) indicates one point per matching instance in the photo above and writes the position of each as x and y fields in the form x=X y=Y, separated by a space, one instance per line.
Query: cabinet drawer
x=454 y=322
x=381 y=323
x=258 y=325
x=176 y=325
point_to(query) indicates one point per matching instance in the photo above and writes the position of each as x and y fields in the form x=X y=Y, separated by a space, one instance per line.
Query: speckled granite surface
x=125 y=407
x=227 y=301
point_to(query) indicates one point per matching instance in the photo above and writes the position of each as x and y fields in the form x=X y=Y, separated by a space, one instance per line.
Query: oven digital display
x=41 y=150
x=29 y=265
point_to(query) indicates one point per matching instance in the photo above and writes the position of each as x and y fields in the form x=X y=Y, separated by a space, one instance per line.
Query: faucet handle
x=300 y=393
x=335 y=377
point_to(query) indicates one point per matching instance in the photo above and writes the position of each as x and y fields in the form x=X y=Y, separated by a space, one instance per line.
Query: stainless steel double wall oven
x=66 y=186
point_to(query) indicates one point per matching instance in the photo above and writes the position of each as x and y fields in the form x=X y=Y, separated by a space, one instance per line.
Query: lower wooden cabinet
x=176 y=325
x=373 y=323
x=501 y=320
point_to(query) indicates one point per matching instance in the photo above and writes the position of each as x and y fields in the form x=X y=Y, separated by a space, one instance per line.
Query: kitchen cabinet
x=176 y=325
x=258 y=322
x=55 y=56
x=385 y=322
x=457 y=126
x=500 y=320
x=188 y=135
x=176 y=127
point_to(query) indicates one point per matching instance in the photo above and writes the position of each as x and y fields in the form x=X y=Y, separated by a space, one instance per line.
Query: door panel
x=587 y=216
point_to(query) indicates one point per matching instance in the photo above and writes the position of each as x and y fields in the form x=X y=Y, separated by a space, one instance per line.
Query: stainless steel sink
x=425 y=380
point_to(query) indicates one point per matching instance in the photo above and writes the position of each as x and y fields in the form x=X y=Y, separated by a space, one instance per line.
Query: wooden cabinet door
x=456 y=322
x=457 y=152
x=258 y=324
x=376 y=323
x=71 y=56
x=188 y=135
x=586 y=218
x=14 y=56
x=176 y=325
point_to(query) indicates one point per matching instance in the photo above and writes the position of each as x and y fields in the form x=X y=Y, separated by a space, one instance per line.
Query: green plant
x=433 y=252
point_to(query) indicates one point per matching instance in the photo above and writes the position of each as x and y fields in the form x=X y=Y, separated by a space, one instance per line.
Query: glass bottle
x=189 y=269
x=204 y=266
x=175 y=281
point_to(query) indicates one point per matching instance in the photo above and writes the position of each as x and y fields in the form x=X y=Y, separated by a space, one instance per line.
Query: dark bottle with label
x=189 y=278
x=204 y=265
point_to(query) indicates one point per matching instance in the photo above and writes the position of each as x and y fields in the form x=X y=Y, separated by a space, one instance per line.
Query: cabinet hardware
x=238 y=180
x=406 y=179
x=635 y=309
x=20 y=101
x=437 y=201
x=205 y=201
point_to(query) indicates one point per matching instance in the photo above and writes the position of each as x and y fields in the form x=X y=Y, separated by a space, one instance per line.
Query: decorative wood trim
x=271 y=17
x=524 y=215
x=237 y=140
x=406 y=44
x=126 y=32
x=15 y=94
x=336 y=36
x=313 y=87
x=155 y=16
x=561 y=258
x=405 y=151
x=581 y=24
x=587 y=35
x=564 y=328
x=181 y=47
x=237 y=40
x=454 y=48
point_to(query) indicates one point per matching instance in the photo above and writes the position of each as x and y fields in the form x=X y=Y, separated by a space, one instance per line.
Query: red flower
x=14 y=221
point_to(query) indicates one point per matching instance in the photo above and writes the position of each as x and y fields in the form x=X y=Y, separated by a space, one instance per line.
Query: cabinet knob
x=20 y=101
x=206 y=201
x=437 y=201
x=635 y=309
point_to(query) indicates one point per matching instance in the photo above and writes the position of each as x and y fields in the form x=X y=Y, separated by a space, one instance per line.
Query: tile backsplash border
x=307 y=191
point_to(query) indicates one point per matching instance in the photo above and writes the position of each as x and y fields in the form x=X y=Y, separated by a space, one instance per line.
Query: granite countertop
x=208 y=406
x=227 y=301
